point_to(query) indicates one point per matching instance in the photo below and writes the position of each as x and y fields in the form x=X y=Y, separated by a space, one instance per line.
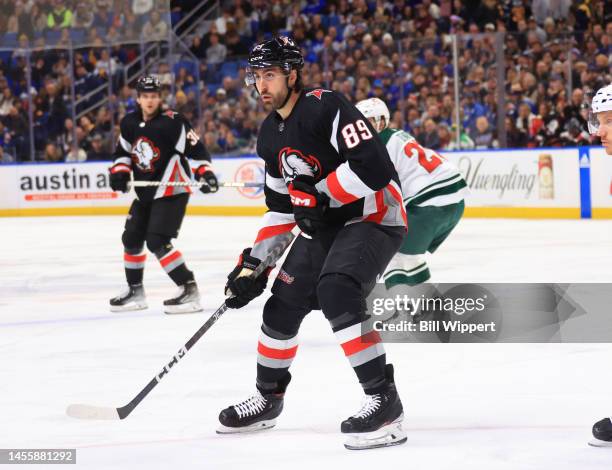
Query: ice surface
x=467 y=406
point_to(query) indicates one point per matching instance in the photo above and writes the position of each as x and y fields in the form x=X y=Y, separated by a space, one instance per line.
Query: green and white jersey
x=427 y=178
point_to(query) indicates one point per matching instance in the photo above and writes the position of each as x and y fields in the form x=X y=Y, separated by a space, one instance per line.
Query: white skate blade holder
x=189 y=307
x=129 y=307
x=600 y=443
x=389 y=435
x=261 y=426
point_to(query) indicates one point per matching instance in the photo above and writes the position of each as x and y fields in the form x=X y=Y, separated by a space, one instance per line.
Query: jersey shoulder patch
x=171 y=114
x=317 y=93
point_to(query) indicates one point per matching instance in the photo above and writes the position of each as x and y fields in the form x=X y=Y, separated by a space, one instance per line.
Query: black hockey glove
x=204 y=172
x=241 y=287
x=309 y=205
x=119 y=177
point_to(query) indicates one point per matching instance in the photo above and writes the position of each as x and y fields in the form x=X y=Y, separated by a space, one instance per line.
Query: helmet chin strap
x=290 y=90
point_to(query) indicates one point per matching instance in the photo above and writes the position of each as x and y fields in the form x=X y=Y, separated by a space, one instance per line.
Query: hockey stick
x=100 y=412
x=197 y=184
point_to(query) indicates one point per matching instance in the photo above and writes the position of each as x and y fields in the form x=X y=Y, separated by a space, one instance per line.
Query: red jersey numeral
x=429 y=162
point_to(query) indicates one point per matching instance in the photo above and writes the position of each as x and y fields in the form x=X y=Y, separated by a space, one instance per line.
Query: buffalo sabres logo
x=292 y=163
x=145 y=154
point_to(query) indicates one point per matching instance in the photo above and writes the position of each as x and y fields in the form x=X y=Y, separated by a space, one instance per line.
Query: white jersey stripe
x=125 y=145
x=351 y=183
x=180 y=144
x=334 y=135
x=276 y=184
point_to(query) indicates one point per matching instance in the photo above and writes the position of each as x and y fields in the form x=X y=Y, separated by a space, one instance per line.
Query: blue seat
x=229 y=69
x=77 y=36
x=183 y=64
x=9 y=40
x=340 y=30
x=52 y=37
x=5 y=56
x=175 y=17
x=212 y=88
x=334 y=20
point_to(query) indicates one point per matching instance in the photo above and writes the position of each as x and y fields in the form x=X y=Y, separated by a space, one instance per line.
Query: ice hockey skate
x=602 y=433
x=187 y=300
x=378 y=422
x=132 y=298
x=256 y=413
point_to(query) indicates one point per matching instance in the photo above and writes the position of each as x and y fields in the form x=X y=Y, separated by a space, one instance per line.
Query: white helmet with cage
x=602 y=101
x=376 y=109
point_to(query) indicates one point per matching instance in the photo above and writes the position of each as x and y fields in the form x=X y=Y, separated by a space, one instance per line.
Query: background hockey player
x=433 y=192
x=327 y=171
x=155 y=145
x=600 y=124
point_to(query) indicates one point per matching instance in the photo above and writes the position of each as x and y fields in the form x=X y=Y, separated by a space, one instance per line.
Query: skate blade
x=600 y=443
x=191 y=307
x=261 y=426
x=389 y=435
x=131 y=307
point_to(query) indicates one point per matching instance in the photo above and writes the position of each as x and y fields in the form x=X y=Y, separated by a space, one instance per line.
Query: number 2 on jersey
x=429 y=162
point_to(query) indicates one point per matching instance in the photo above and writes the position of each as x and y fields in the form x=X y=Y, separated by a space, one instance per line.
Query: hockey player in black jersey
x=327 y=171
x=155 y=145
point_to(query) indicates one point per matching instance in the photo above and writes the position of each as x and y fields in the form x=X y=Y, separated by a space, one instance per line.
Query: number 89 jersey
x=327 y=138
x=427 y=178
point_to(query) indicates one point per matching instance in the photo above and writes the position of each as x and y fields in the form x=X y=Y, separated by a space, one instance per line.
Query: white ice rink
x=467 y=406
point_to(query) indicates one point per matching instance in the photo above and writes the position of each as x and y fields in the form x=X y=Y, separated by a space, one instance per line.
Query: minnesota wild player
x=433 y=192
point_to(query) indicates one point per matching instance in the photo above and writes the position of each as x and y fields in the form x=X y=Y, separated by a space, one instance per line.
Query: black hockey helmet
x=148 y=83
x=280 y=51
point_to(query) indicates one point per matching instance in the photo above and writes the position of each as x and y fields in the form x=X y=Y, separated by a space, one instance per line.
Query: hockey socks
x=173 y=263
x=134 y=263
x=275 y=353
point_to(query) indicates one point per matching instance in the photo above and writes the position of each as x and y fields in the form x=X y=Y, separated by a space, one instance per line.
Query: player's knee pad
x=406 y=269
x=340 y=296
x=133 y=242
x=281 y=319
x=158 y=244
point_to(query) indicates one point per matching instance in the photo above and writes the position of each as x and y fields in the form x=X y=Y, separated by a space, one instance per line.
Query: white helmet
x=374 y=108
x=602 y=101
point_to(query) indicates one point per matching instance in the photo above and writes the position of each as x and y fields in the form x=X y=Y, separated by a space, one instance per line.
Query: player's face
x=375 y=125
x=605 y=130
x=149 y=102
x=272 y=86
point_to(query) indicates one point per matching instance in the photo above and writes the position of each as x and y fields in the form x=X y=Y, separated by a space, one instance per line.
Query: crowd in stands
x=554 y=54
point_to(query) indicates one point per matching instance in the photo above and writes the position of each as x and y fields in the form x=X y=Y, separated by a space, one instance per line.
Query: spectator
x=216 y=52
x=483 y=136
x=142 y=7
x=60 y=16
x=52 y=153
x=75 y=155
x=429 y=137
x=155 y=29
x=97 y=151
x=83 y=16
x=103 y=17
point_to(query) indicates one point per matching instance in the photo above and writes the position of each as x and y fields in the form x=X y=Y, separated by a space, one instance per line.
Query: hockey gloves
x=204 y=172
x=309 y=205
x=241 y=287
x=119 y=177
